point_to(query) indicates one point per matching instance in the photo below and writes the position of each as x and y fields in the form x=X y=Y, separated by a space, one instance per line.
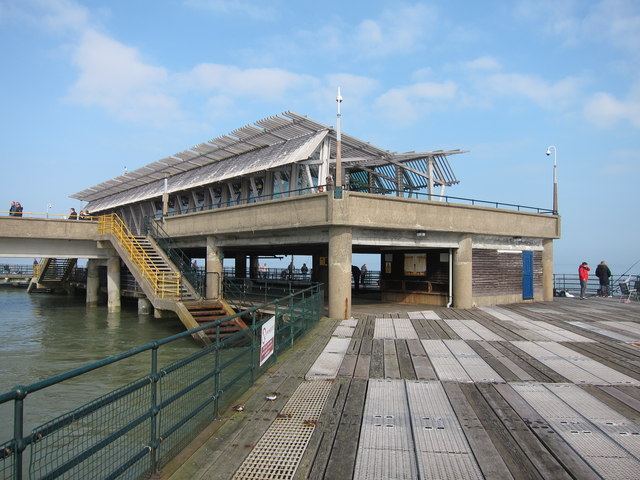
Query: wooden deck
x=535 y=391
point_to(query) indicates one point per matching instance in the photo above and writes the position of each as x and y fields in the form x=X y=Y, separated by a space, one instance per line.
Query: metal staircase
x=52 y=273
x=162 y=282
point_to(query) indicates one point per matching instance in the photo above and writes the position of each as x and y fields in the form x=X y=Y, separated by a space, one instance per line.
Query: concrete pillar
x=340 y=239
x=213 y=280
x=254 y=266
x=462 y=273
x=144 y=306
x=547 y=270
x=113 y=284
x=93 y=283
x=241 y=266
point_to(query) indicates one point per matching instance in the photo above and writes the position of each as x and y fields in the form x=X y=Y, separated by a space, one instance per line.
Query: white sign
x=267 y=339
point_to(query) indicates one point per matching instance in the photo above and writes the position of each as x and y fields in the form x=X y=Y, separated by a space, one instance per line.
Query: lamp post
x=48 y=207
x=555 y=178
x=338 y=183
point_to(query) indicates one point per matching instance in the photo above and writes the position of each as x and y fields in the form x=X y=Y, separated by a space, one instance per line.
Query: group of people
x=602 y=272
x=359 y=276
x=73 y=215
x=15 y=210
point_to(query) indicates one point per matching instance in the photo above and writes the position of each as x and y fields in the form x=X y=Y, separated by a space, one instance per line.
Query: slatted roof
x=269 y=137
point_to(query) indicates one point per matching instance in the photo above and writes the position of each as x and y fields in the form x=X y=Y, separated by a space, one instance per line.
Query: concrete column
x=547 y=270
x=113 y=284
x=144 y=306
x=241 y=266
x=93 y=283
x=214 y=270
x=462 y=273
x=340 y=240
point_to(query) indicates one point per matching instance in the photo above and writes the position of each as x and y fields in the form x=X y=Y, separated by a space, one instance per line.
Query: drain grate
x=279 y=451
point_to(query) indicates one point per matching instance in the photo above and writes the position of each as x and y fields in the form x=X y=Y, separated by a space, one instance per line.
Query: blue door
x=527 y=275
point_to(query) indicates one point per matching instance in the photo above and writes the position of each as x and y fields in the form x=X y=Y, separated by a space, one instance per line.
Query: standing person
x=355 y=271
x=18 y=211
x=363 y=269
x=304 y=270
x=290 y=270
x=263 y=270
x=583 y=274
x=12 y=210
x=73 y=215
x=603 y=273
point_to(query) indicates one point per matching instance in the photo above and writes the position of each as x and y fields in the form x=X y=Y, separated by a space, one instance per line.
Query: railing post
x=18 y=431
x=154 y=440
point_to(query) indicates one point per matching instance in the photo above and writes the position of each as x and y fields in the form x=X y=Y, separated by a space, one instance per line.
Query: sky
x=89 y=88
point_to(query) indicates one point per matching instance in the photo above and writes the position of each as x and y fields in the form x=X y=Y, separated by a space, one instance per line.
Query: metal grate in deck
x=278 y=453
x=454 y=360
x=442 y=448
x=386 y=448
x=602 y=331
x=394 y=328
x=346 y=328
x=588 y=426
x=472 y=330
x=574 y=366
x=328 y=362
x=474 y=365
x=444 y=362
x=424 y=315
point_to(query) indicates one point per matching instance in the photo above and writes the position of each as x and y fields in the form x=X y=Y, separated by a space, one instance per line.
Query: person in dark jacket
x=583 y=275
x=603 y=273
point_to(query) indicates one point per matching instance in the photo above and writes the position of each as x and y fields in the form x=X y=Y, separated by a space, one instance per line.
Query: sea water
x=43 y=335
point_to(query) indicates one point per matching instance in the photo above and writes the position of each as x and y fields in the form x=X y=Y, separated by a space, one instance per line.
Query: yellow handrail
x=165 y=284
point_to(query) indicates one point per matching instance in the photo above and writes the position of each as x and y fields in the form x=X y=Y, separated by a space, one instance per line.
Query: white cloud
x=604 y=110
x=261 y=83
x=407 y=104
x=616 y=22
x=113 y=76
x=548 y=95
x=49 y=15
x=260 y=10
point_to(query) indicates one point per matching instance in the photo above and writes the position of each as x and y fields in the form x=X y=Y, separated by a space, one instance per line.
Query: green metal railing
x=133 y=431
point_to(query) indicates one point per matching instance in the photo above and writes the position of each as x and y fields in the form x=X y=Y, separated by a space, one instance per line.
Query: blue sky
x=90 y=87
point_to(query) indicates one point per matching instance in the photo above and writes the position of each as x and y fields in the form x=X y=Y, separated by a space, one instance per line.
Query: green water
x=42 y=335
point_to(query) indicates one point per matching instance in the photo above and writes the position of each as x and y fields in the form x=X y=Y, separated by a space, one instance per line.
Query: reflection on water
x=45 y=335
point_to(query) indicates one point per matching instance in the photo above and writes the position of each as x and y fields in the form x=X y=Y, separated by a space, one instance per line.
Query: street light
x=48 y=207
x=555 y=178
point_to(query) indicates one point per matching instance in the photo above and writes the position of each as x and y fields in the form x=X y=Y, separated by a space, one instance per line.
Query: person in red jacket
x=583 y=274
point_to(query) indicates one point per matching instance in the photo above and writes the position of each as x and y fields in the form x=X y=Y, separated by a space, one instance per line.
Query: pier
x=539 y=390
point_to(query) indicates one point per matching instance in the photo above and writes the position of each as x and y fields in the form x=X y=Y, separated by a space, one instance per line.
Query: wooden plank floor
x=564 y=403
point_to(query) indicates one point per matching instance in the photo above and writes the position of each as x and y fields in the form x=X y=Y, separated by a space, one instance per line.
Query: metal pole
x=555 y=177
x=338 y=183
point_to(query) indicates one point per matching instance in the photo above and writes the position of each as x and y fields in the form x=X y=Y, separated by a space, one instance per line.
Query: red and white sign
x=267 y=339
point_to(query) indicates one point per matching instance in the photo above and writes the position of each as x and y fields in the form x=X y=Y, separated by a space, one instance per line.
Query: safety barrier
x=165 y=284
x=136 y=429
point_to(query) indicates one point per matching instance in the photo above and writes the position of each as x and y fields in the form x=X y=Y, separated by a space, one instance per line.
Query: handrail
x=139 y=427
x=164 y=284
x=176 y=255
x=325 y=189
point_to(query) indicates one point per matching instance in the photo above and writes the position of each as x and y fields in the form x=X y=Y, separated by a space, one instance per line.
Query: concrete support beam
x=113 y=284
x=93 y=283
x=547 y=270
x=462 y=273
x=213 y=279
x=340 y=256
